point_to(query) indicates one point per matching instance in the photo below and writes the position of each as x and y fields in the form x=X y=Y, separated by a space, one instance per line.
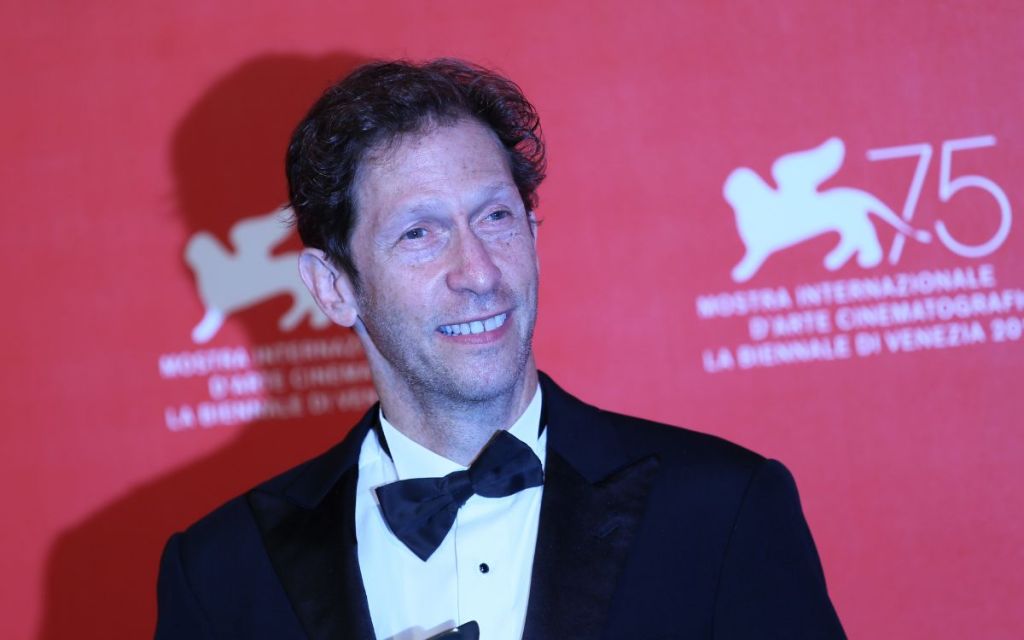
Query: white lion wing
x=802 y=172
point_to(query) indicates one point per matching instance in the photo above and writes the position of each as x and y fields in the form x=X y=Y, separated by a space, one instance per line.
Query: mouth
x=474 y=326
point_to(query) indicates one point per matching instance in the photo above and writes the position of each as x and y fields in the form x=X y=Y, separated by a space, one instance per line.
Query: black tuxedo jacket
x=646 y=531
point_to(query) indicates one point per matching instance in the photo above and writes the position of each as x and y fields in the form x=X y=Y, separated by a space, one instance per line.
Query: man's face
x=447 y=260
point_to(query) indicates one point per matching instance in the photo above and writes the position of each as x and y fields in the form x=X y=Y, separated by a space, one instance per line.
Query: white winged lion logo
x=231 y=281
x=769 y=220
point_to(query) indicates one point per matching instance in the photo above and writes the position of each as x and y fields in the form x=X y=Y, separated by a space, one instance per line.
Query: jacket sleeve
x=772 y=584
x=179 y=613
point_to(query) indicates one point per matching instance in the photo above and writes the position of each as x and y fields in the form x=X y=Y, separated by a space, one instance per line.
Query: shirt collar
x=413 y=460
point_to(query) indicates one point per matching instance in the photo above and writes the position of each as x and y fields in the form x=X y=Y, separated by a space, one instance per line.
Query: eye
x=500 y=214
x=416 y=233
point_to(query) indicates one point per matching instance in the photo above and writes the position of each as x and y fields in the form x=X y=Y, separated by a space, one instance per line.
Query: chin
x=481 y=383
x=479 y=388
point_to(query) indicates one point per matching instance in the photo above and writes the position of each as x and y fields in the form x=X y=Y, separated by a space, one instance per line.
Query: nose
x=472 y=268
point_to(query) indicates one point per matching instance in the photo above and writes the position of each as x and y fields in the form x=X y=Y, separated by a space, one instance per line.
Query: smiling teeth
x=476 y=326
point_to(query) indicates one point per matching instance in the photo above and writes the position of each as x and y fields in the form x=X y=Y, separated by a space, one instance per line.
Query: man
x=413 y=188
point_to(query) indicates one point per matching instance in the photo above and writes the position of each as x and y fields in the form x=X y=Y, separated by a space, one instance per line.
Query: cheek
x=409 y=293
x=514 y=247
x=521 y=256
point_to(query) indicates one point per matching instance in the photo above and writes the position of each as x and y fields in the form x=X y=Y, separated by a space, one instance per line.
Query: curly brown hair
x=377 y=104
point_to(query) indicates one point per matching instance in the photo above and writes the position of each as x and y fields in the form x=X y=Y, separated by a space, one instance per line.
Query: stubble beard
x=430 y=376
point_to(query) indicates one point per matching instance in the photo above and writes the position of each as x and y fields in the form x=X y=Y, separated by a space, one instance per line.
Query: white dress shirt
x=482 y=569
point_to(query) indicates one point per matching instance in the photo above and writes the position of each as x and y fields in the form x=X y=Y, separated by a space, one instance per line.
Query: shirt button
x=484 y=568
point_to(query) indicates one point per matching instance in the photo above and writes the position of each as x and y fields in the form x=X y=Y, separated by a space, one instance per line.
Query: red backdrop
x=144 y=143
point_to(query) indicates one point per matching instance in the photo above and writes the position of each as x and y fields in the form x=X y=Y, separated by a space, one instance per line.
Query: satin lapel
x=582 y=543
x=314 y=554
x=595 y=491
x=308 y=530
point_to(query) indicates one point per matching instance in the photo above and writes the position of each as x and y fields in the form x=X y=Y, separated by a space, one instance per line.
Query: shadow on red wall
x=228 y=161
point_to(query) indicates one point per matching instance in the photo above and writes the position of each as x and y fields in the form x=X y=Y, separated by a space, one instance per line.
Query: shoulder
x=694 y=469
x=232 y=529
x=598 y=438
x=693 y=466
x=681 y=445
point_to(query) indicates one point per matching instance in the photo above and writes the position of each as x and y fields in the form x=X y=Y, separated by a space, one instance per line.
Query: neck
x=455 y=428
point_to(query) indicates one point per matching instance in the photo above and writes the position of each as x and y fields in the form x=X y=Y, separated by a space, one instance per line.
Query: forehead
x=446 y=164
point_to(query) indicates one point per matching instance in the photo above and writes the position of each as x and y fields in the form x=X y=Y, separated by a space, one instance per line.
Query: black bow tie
x=421 y=511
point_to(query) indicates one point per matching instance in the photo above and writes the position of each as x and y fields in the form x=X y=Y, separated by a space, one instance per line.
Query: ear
x=331 y=287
